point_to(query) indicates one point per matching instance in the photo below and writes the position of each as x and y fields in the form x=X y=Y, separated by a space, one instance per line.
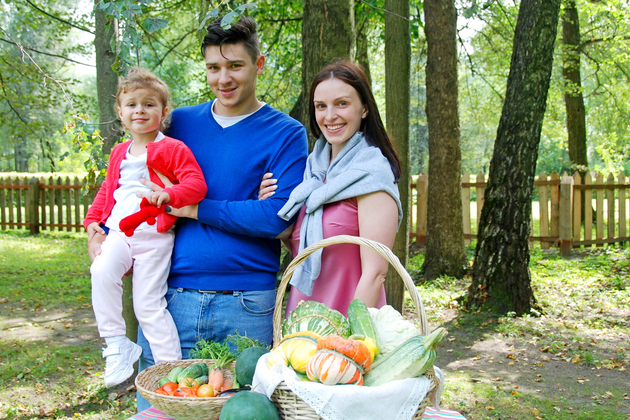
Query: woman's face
x=338 y=111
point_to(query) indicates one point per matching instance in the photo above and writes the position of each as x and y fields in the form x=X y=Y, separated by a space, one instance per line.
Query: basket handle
x=373 y=245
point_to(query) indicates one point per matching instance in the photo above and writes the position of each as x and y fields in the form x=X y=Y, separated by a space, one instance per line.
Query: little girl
x=142 y=101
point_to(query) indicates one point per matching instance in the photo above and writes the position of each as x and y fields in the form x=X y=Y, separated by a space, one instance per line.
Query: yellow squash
x=295 y=350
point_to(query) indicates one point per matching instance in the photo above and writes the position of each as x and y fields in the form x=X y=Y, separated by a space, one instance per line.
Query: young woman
x=349 y=188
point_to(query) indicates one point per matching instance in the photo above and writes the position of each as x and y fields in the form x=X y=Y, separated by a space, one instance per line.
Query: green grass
x=46 y=285
x=585 y=299
x=46 y=271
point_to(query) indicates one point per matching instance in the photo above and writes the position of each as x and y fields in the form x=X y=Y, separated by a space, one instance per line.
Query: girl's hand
x=268 y=186
x=96 y=236
x=188 y=211
x=157 y=198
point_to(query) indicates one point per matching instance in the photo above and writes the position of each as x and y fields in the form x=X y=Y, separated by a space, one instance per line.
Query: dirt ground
x=528 y=365
x=472 y=355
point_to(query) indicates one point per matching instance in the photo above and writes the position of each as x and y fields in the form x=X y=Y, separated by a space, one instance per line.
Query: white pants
x=149 y=252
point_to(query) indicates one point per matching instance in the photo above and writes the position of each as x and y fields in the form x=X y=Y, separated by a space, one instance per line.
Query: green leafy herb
x=220 y=353
x=225 y=352
x=242 y=342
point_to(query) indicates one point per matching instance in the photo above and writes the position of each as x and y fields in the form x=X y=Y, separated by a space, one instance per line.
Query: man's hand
x=188 y=211
x=268 y=186
x=96 y=236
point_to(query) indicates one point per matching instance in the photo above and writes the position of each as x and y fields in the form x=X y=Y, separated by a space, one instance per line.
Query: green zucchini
x=409 y=360
x=361 y=323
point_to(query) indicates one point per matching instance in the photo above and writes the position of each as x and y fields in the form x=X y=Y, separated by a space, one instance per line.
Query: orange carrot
x=216 y=380
x=227 y=383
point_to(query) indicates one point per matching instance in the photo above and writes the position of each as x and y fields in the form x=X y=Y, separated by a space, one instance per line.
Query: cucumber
x=192 y=371
x=174 y=374
x=409 y=360
x=162 y=381
x=204 y=368
x=361 y=323
x=202 y=379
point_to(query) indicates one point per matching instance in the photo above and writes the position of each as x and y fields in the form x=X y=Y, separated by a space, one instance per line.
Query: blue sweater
x=232 y=245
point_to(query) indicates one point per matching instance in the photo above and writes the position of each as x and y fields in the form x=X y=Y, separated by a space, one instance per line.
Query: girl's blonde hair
x=141 y=78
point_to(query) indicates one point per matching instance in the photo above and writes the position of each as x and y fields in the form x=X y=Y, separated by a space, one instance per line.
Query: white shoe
x=119 y=360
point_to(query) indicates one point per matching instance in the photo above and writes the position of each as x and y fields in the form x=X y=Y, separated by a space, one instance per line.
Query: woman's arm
x=378 y=221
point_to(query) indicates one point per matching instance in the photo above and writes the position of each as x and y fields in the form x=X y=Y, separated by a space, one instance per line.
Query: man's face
x=232 y=76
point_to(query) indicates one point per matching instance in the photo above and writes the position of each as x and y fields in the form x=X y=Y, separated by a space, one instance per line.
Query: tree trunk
x=327 y=34
x=106 y=78
x=573 y=98
x=397 y=67
x=445 y=249
x=111 y=130
x=362 y=21
x=501 y=276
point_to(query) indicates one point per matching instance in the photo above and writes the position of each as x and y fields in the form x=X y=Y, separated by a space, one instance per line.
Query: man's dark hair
x=243 y=31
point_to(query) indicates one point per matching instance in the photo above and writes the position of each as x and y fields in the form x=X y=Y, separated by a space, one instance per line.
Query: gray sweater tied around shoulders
x=358 y=169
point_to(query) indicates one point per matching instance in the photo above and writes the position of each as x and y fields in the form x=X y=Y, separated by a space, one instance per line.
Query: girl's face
x=338 y=112
x=141 y=111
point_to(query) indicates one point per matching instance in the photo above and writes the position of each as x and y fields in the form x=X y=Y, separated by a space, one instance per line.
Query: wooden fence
x=46 y=202
x=559 y=217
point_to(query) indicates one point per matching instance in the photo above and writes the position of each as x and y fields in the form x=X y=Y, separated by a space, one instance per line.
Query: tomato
x=205 y=391
x=170 y=387
x=177 y=393
x=187 y=391
x=160 y=391
x=189 y=382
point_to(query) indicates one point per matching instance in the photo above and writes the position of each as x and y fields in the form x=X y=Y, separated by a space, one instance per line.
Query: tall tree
x=397 y=66
x=501 y=277
x=573 y=93
x=445 y=249
x=363 y=21
x=106 y=78
x=327 y=34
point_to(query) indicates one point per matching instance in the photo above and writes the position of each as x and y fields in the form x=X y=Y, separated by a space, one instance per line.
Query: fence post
x=566 y=205
x=33 y=206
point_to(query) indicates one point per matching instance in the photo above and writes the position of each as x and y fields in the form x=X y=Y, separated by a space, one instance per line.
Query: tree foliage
x=38 y=88
x=165 y=36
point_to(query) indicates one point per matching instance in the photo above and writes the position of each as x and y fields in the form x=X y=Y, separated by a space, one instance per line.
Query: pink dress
x=341 y=263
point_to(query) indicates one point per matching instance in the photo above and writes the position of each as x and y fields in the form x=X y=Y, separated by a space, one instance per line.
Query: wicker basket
x=289 y=405
x=180 y=408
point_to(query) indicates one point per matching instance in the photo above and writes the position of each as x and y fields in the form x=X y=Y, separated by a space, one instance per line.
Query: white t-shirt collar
x=226 y=122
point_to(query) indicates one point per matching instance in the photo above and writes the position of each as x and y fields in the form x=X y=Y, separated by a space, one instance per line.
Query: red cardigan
x=170 y=157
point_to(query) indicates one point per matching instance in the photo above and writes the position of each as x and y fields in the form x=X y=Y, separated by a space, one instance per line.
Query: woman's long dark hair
x=372 y=125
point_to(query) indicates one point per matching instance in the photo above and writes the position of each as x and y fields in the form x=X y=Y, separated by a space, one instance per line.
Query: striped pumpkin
x=339 y=360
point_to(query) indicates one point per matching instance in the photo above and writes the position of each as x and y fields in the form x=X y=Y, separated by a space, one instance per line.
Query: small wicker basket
x=289 y=405
x=179 y=408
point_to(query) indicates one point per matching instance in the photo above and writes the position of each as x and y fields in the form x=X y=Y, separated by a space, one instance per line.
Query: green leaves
x=153 y=24
x=226 y=21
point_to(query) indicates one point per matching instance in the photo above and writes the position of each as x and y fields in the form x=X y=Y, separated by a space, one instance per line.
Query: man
x=226 y=255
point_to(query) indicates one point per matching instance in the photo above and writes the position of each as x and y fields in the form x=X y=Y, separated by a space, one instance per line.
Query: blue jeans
x=213 y=316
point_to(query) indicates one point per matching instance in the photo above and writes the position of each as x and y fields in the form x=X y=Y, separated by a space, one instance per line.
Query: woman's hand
x=268 y=186
x=187 y=211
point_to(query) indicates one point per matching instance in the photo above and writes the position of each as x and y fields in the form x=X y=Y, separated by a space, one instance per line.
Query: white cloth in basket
x=398 y=400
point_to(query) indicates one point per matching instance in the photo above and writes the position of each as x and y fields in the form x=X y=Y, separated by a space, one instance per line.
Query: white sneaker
x=119 y=360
